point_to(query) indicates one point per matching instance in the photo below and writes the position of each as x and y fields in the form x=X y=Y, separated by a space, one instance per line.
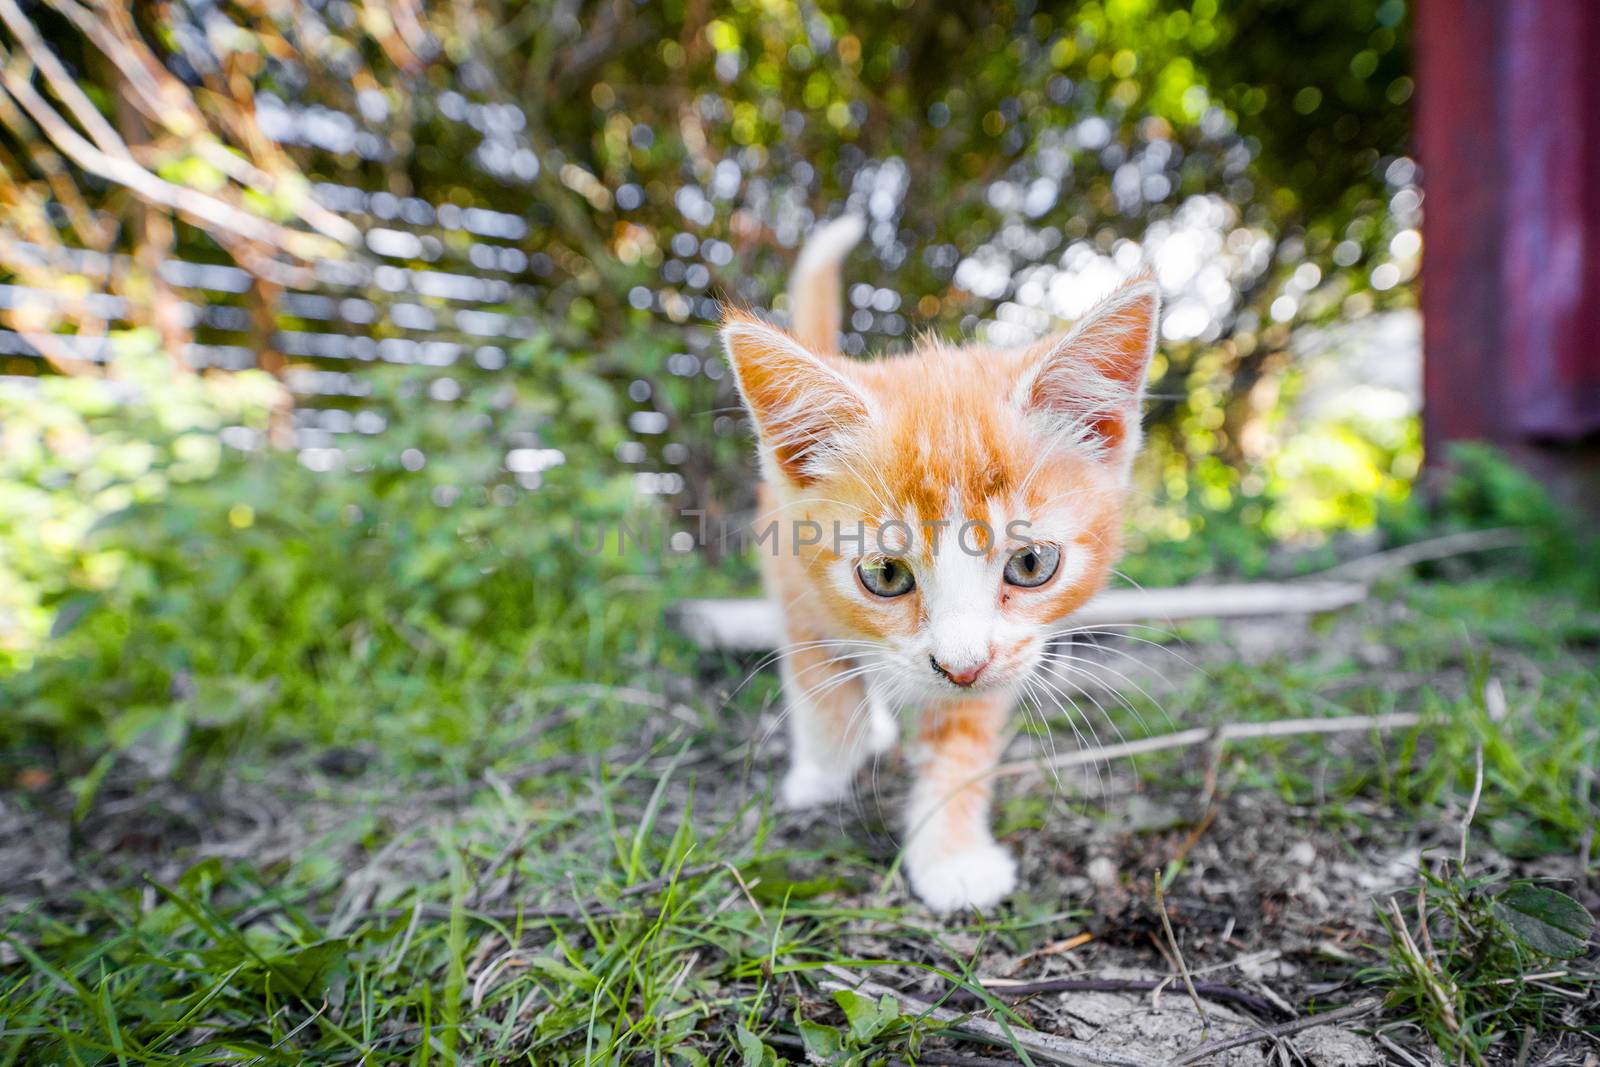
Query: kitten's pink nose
x=963 y=677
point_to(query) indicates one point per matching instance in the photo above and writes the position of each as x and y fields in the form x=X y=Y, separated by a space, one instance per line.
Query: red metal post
x=1508 y=119
x=1458 y=139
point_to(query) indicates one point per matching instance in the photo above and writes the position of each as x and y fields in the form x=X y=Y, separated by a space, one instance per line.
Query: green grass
x=605 y=972
x=606 y=845
x=367 y=779
x=1476 y=960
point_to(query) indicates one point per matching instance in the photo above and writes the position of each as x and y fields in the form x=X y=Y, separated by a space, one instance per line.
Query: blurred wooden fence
x=436 y=285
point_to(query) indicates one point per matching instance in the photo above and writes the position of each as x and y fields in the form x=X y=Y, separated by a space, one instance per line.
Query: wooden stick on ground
x=748 y=624
x=1272 y=1033
x=1199 y=735
x=1177 y=953
x=1061 y=1050
x=1368 y=568
x=1214 y=991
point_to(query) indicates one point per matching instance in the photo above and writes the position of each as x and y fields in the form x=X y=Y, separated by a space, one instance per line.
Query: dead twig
x=1193 y=837
x=1199 y=735
x=1055 y=948
x=1392 y=1046
x=1177 y=953
x=1369 y=568
x=745 y=888
x=1212 y=991
x=1439 y=987
x=1273 y=1033
x=1472 y=809
x=61 y=81
x=1037 y=1044
x=214 y=214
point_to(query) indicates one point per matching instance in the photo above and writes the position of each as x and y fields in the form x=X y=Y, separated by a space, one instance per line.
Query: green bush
x=406 y=601
x=73 y=450
x=1479 y=488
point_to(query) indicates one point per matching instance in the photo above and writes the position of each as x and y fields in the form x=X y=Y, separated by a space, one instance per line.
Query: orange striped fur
x=965 y=466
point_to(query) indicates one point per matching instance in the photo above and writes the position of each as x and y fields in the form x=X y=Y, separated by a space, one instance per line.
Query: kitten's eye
x=885 y=577
x=1034 y=565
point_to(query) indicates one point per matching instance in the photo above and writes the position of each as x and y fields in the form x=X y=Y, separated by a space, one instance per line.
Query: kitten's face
x=966 y=501
x=960 y=581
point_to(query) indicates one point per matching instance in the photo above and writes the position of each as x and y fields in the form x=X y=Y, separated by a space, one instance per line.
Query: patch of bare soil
x=1272 y=915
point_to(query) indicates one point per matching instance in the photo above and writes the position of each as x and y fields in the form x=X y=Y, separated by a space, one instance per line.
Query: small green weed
x=1483 y=958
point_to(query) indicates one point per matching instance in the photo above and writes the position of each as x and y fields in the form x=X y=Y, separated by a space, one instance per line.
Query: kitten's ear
x=806 y=409
x=1087 y=384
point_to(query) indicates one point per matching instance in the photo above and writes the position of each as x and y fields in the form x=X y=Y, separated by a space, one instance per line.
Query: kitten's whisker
x=864 y=734
x=1157 y=645
x=783 y=652
x=1063 y=658
x=892 y=698
x=1125 y=577
x=1050 y=736
x=1063 y=688
x=811 y=694
x=854 y=738
x=1080 y=666
x=1052 y=686
x=846 y=652
x=786 y=651
x=1043 y=704
x=776 y=656
x=825 y=687
x=1056 y=672
x=1055 y=691
x=1118 y=629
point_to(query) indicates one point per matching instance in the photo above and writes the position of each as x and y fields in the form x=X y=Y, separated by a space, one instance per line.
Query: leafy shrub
x=74 y=450
x=407 y=600
x=1480 y=488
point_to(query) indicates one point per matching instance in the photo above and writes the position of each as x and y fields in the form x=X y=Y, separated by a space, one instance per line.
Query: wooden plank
x=753 y=625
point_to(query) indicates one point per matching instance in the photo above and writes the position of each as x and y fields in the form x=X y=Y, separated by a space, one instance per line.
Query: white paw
x=808 y=786
x=977 y=878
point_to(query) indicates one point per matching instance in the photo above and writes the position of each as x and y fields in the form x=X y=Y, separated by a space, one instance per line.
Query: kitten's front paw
x=808 y=786
x=977 y=878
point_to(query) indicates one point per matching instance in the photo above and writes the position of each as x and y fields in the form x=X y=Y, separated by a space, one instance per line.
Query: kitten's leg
x=950 y=855
x=835 y=725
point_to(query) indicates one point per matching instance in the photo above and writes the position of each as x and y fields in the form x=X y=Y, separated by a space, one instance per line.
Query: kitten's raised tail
x=816 y=305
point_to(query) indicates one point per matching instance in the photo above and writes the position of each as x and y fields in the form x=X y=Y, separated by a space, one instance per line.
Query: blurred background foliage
x=335 y=334
x=640 y=162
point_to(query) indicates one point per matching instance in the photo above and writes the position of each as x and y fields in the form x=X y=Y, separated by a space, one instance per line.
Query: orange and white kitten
x=988 y=485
